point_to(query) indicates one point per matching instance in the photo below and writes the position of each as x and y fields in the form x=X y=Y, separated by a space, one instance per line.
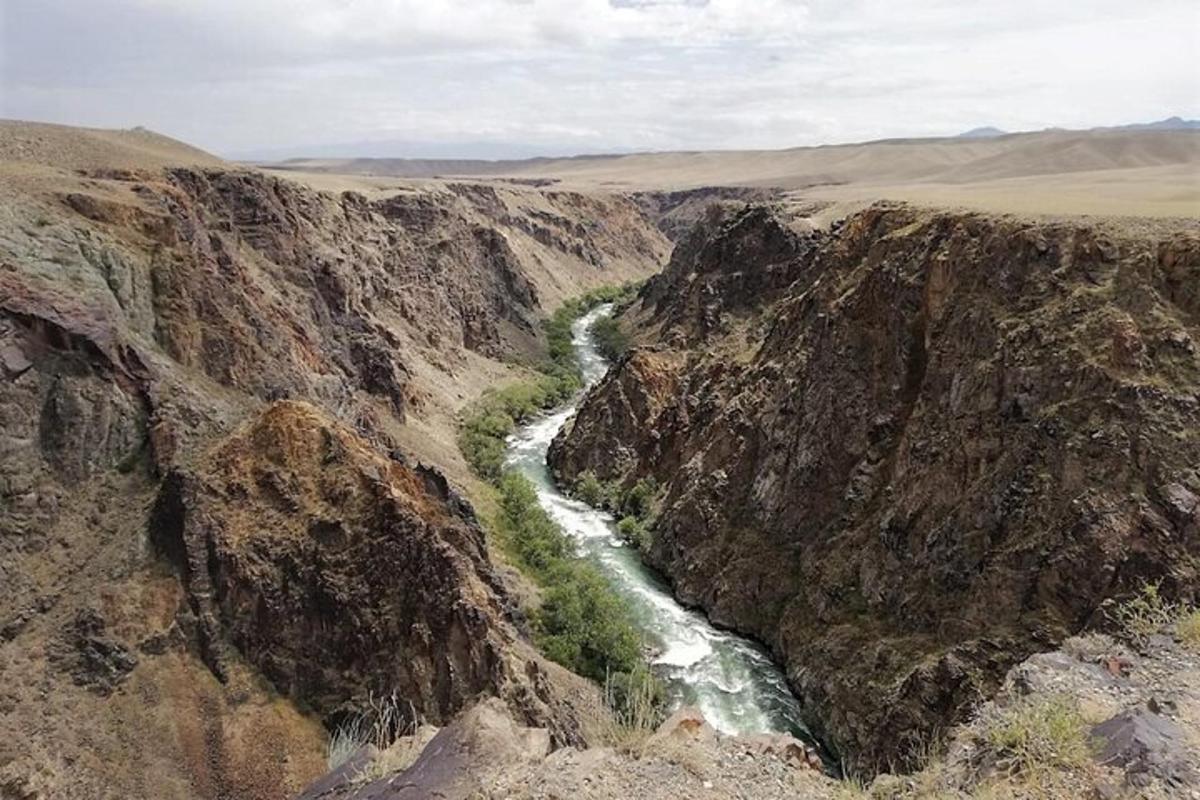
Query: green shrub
x=497 y=414
x=558 y=326
x=1145 y=614
x=633 y=531
x=637 y=501
x=611 y=340
x=590 y=490
x=582 y=623
x=536 y=541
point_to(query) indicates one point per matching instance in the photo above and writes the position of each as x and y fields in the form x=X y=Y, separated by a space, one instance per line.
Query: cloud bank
x=499 y=78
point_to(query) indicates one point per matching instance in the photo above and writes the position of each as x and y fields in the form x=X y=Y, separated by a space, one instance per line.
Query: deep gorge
x=904 y=452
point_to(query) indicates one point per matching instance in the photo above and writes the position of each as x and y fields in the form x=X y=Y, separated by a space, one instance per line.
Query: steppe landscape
x=826 y=471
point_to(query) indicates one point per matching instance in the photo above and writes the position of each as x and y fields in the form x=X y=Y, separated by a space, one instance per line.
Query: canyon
x=914 y=450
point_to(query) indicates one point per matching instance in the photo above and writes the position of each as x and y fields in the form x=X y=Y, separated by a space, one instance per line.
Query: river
x=731 y=680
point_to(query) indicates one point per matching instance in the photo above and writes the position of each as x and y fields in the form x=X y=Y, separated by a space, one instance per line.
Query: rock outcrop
x=910 y=451
x=1099 y=717
x=342 y=574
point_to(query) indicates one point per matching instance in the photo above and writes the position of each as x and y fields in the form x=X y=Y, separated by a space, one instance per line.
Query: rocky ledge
x=1101 y=718
x=485 y=754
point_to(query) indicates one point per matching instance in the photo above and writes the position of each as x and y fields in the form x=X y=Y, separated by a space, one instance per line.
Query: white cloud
x=571 y=75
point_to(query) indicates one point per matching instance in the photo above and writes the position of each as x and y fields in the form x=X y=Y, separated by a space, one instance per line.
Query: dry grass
x=345 y=741
x=398 y=756
x=636 y=702
x=1145 y=614
x=852 y=789
x=1187 y=628
x=379 y=724
x=1037 y=738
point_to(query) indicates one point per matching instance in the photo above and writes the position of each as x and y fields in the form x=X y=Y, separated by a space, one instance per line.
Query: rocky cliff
x=909 y=451
x=226 y=426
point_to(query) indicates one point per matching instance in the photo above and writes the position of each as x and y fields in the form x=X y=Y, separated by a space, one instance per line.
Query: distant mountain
x=986 y=132
x=1168 y=124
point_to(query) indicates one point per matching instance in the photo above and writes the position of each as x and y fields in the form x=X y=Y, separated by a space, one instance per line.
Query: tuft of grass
x=1187 y=628
x=379 y=724
x=1039 y=736
x=852 y=789
x=345 y=741
x=1145 y=614
x=637 y=700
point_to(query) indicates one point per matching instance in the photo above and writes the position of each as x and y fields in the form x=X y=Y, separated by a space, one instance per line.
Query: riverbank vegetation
x=581 y=621
x=611 y=340
x=633 y=506
x=488 y=422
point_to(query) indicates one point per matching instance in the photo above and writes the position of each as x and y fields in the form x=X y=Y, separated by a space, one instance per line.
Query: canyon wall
x=231 y=508
x=907 y=452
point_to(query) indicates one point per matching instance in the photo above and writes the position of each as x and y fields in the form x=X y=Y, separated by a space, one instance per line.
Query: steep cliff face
x=192 y=567
x=910 y=451
x=341 y=573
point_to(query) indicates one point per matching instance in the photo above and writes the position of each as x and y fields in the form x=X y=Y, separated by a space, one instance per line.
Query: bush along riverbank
x=611 y=340
x=580 y=622
x=633 y=506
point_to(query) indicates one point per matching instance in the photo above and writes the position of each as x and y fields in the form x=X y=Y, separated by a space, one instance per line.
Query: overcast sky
x=514 y=77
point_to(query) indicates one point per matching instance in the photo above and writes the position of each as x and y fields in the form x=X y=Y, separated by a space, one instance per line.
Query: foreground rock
x=1099 y=718
x=911 y=451
x=1131 y=714
x=484 y=754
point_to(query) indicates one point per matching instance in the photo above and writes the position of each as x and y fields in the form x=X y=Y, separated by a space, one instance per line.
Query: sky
x=514 y=78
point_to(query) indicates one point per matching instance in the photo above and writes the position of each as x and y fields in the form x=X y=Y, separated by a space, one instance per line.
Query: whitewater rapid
x=731 y=680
